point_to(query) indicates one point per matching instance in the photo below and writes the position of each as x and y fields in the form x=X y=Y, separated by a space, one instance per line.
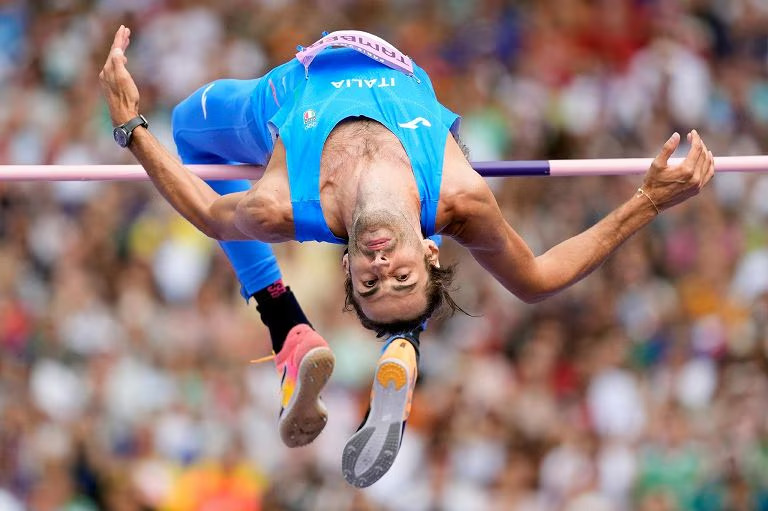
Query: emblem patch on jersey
x=310 y=119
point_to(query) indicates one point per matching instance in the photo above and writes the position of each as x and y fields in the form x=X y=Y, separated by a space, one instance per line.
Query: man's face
x=386 y=264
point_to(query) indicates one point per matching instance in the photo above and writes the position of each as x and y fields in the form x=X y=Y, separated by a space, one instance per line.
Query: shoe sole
x=305 y=416
x=370 y=452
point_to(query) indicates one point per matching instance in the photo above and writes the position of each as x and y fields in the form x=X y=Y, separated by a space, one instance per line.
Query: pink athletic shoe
x=305 y=363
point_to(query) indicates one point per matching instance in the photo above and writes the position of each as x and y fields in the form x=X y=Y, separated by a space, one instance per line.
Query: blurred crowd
x=125 y=381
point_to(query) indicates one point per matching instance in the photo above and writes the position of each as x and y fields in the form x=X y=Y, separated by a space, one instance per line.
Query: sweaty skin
x=369 y=195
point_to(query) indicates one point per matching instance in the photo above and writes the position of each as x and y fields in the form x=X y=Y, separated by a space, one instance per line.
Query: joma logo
x=412 y=125
x=360 y=83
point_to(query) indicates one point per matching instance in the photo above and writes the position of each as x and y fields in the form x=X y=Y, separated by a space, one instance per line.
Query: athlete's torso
x=345 y=106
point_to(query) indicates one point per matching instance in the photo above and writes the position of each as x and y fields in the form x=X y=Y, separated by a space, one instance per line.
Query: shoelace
x=264 y=359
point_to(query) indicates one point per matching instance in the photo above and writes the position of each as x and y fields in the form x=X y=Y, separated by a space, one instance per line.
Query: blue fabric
x=237 y=121
x=225 y=131
x=343 y=83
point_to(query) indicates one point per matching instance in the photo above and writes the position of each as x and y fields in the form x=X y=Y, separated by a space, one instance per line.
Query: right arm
x=255 y=214
x=228 y=217
x=213 y=214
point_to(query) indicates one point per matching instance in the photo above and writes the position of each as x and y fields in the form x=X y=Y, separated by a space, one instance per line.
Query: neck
x=385 y=186
x=365 y=169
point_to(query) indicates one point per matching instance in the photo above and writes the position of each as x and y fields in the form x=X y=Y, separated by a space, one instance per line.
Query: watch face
x=121 y=136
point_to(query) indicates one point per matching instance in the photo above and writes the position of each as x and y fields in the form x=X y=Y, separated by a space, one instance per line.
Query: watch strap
x=132 y=124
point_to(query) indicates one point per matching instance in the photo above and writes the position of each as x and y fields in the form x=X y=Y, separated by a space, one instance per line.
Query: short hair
x=439 y=300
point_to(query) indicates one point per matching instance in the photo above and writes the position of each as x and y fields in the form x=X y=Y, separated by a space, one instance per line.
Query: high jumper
x=357 y=150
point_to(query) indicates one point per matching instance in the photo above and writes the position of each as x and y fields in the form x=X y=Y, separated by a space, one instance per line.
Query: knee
x=186 y=122
x=190 y=112
x=179 y=121
x=182 y=114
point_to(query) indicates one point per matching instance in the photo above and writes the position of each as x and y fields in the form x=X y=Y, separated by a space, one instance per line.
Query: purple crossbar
x=606 y=167
x=512 y=168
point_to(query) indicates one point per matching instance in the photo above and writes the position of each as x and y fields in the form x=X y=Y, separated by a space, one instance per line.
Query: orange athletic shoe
x=371 y=451
x=305 y=363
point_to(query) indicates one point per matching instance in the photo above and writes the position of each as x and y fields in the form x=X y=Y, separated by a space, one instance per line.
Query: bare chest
x=357 y=154
x=353 y=146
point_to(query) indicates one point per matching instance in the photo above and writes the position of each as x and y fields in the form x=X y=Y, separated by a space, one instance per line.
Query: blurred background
x=125 y=381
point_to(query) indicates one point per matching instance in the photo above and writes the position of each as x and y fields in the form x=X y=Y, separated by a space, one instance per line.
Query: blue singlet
x=344 y=83
x=237 y=121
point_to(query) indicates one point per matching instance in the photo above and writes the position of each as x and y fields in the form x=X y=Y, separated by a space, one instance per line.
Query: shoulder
x=463 y=193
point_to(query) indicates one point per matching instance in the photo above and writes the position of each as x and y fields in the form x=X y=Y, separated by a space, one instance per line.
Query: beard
x=370 y=224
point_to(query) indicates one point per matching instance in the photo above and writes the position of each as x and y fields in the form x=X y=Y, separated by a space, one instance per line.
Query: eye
x=369 y=283
x=402 y=278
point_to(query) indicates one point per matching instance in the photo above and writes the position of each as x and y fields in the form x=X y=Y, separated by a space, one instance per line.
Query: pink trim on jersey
x=368 y=44
x=274 y=92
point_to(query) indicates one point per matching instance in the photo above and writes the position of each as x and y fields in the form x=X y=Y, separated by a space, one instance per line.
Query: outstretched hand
x=667 y=184
x=118 y=86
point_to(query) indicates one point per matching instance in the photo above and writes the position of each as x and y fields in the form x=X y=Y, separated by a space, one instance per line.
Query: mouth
x=378 y=244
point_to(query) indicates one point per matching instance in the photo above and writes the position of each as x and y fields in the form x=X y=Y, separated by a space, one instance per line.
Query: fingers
x=695 y=169
x=117 y=85
x=116 y=60
x=119 y=45
x=667 y=150
x=122 y=39
x=711 y=170
x=692 y=159
x=704 y=163
x=118 y=40
x=672 y=184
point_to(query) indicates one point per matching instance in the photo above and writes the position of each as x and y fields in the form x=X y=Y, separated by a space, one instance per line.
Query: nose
x=380 y=260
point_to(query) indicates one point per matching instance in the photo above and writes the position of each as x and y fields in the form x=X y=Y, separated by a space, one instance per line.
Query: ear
x=345 y=263
x=431 y=251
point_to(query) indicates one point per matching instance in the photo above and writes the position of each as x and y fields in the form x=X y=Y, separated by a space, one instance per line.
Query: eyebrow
x=396 y=287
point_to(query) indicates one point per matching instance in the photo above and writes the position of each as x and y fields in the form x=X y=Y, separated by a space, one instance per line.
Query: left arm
x=504 y=254
x=481 y=227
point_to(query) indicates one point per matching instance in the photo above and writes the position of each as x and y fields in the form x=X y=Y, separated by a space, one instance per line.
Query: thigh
x=216 y=124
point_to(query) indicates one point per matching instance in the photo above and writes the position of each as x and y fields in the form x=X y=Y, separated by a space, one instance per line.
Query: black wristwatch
x=124 y=132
